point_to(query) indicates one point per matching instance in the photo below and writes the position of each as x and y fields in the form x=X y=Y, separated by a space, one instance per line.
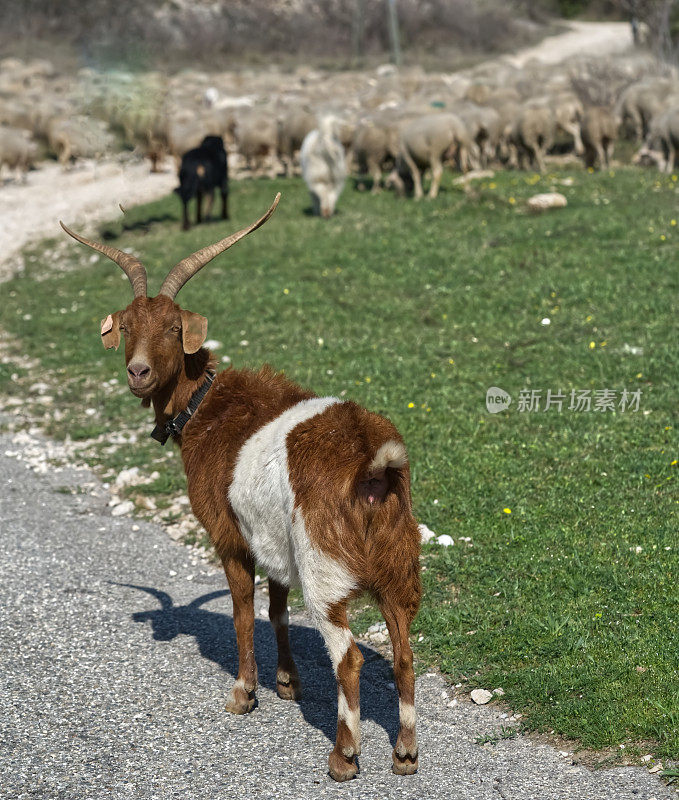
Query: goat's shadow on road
x=216 y=638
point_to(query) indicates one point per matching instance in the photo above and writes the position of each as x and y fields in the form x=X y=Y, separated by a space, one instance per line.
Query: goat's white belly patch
x=262 y=497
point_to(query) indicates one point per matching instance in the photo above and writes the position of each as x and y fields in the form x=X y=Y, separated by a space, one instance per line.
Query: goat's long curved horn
x=130 y=265
x=188 y=267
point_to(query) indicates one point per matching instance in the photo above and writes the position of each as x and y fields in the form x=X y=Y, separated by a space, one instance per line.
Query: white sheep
x=324 y=166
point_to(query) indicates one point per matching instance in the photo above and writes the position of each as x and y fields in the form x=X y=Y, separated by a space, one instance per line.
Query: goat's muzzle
x=139 y=378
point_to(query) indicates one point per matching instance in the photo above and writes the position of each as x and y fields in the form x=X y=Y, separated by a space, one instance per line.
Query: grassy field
x=567 y=593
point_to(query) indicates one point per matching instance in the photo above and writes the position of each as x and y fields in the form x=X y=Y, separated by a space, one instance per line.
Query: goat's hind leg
x=240 y=573
x=399 y=618
x=288 y=684
x=346 y=661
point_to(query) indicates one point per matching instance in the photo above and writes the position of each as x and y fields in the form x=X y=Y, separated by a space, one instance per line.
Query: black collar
x=173 y=427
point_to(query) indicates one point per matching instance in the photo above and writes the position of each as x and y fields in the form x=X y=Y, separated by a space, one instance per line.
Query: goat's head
x=157 y=332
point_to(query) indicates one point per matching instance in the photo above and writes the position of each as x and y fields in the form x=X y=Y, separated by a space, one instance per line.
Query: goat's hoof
x=239 y=701
x=288 y=685
x=340 y=767
x=405 y=759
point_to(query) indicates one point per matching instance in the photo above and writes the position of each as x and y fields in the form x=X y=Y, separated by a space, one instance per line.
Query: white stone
x=445 y=540
x=632 y=350
x=426 y=534
x=126 y=507
x=546 y=200
x=212 y=344
x=174 y=532
x=481 y=696
x=146 y=502
x=545 y=321
x=127 y=477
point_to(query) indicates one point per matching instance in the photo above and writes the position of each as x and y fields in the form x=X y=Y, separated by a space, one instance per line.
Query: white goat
x=324 y=167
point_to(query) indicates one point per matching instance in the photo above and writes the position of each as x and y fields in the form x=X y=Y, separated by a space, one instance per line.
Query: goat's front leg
x=208 y=204
x=288 y=684
x=399 y=619
x=199 y=207
x=240 y=573
x=346 y=661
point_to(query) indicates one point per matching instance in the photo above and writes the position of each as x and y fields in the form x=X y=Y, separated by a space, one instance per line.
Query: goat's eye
x=175 y=328
x=122 y=328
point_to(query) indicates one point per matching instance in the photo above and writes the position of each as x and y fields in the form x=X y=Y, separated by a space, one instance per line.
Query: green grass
x=415 y=309
x=505 y=732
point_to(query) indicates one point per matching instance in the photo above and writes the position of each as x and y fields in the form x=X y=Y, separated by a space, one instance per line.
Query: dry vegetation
x=337 y=31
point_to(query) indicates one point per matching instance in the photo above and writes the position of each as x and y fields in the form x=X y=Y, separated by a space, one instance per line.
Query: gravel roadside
x=117 y=649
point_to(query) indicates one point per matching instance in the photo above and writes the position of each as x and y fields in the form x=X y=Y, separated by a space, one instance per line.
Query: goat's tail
x=387 y=471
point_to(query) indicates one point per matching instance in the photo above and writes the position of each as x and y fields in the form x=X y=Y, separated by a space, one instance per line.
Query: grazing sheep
x=641 y=102
x=324 y=166
x=599 y=131
x=485 y=126
x=17 y=150
x=428 y=141
x=183 y=134
x=531 y=135
x=295 y=124
x=662 y=143
x=78 y=137
x=375 y=144
x=256 y=134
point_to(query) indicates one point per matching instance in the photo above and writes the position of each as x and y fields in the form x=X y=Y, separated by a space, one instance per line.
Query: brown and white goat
x=313 y=489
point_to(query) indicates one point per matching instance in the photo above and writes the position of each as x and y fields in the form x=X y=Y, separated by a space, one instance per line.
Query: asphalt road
x=116 y=654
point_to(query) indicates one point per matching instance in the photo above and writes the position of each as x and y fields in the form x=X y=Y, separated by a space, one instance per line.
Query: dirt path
x=584 y=38
x=89 y=193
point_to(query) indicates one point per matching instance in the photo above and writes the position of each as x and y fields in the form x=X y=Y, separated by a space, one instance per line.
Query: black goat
x=202 y=170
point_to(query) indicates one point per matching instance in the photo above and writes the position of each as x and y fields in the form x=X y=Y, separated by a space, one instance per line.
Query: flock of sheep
x=399 y=123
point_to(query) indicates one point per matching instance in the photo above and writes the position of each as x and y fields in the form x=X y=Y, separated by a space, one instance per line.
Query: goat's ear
x=110 y=331
x=194 y=331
